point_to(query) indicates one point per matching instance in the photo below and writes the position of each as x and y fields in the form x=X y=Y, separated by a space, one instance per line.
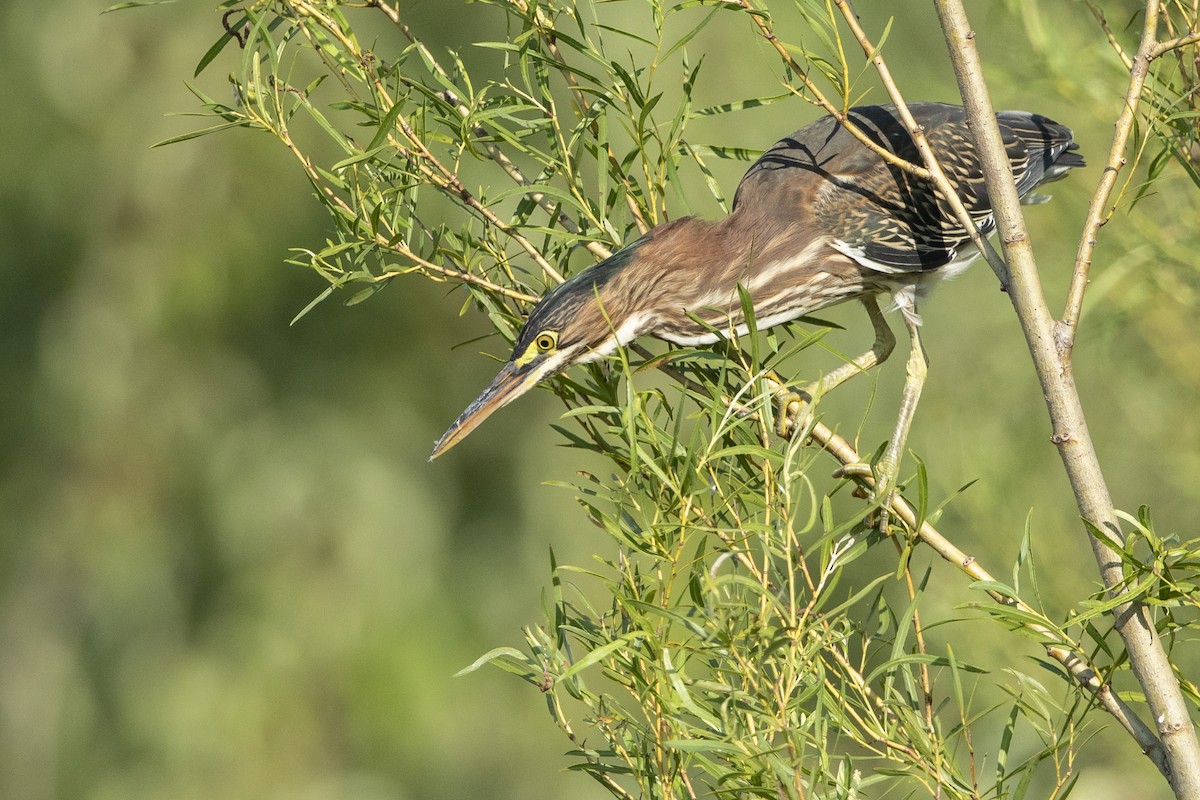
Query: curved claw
x=793 y=405
x=791 y=415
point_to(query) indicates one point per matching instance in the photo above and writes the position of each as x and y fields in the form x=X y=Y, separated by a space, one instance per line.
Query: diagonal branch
x=1057 y=643
x=1097 y=213
x=1178 y=744
x=1070 y=657
x=936 y=173
x=1149 y=49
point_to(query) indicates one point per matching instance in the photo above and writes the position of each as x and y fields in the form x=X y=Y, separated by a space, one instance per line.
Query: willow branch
x=1162 y=48
x=493 y=151
x=435 y=271
x=545 y=30
x=818 y=98
x=1113 y=42
x=1068 y=656
x=1178 y=746
x=439 y=273
x=1097 y=213
x=917 y=132
x=430 y=167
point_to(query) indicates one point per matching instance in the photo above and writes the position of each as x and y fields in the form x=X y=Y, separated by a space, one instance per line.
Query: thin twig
x=917 y=758
x=817 y=97
x=434 y=270
x=919 y=639
x=1108 y=34
x=1162 y=48
x=917 y=132
x=493 y=151
x=1139 y=69
x=545 y=29
x=1097 y=213
x=430 y=167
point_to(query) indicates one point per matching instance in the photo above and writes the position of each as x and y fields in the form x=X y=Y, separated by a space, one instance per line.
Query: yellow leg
x=792 y=402
x=887 y=469
x=914 y=380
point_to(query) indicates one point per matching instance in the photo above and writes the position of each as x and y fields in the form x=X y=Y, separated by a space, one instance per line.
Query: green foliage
x=748 y=631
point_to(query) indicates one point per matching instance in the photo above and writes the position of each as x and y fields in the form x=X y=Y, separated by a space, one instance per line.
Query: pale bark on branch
x=1177 y=752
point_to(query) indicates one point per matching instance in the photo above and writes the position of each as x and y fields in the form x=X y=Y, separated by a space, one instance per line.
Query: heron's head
x=577 y=321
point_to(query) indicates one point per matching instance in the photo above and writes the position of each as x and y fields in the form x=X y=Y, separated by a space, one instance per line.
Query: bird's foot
x=795 y=413
x=882 y=482
x=794 y=406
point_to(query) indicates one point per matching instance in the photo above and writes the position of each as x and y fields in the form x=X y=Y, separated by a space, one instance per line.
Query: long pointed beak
x=511 y=383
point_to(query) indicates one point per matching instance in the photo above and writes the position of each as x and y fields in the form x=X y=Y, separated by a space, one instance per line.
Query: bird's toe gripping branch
x=795 y=405
x=879 y=483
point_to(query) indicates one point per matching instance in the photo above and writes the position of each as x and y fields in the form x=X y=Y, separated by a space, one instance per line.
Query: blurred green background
x=227 y=569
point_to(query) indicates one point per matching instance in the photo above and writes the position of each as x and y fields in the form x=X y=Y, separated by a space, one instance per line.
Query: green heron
x=817 y=220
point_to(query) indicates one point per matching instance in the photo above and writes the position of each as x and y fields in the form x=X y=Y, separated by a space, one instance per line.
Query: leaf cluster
x=741 y=637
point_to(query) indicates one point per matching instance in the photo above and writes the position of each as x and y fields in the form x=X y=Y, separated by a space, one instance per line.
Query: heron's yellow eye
x=543 y=344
